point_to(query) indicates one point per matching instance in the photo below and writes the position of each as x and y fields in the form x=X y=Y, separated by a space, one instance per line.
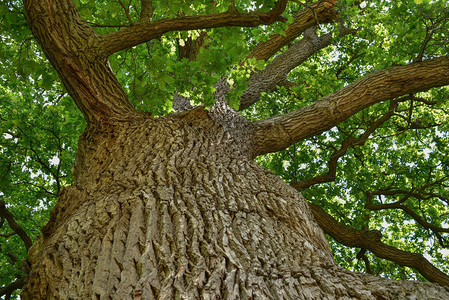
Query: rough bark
x=145 y=31
x=279 y=132
x=320 y=12
x=277 y=71
x=174 y=207
x=72 y=47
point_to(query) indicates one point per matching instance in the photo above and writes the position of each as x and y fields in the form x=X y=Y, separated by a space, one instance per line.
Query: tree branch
x=320 y=12
x=7 y=235
x=371 y=240
x=276 y=72
x=126 y=10
x=358 y=53
x=44 y=165
x=5 y=213
x=70 y=44
x=142 y=32
x=146 y=11
x=348 y=143
x=279 y=132
x=362 y=255
x=400 y=205
x=107 y=25
x=52 y=194
x=7 y=290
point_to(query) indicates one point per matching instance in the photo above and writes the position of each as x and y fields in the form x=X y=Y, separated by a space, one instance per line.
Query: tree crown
x=372 y=74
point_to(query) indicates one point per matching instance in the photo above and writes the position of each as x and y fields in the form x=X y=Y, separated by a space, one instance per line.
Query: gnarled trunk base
x=175 y=208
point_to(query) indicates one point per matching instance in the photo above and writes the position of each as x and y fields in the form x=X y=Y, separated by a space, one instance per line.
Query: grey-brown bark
x=279 y=132
x=317 y=13
x=145 y=31
x=71 y=46
x=175 y=207
x=276 y=72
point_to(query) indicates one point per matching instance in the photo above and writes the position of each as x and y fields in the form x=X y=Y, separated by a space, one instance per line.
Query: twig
x=126 y=9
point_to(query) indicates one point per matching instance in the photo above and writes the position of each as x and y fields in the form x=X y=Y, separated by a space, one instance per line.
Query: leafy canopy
x=404 y=157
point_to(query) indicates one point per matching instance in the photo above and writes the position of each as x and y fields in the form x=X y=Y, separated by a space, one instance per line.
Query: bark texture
x=174 y=208
x=279 y=132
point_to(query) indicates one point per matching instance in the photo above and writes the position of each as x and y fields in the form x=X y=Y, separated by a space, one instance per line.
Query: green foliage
x=407 y=153
x=40 y=124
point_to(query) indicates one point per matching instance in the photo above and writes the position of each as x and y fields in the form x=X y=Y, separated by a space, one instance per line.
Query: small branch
x=46 y=166
x=8 y=169
x=423 y=100
x=275 y=14
x=134 y=68
x=300 y=3
x=9 y=289
x=354 y=57
x=7 y=235
x=57 y=176
x=192 y=47
x=4 y=213
x=348 y=143
x=126 y=9
x=362 y=255
x=12 y=257
x=41 y=188
x=444 y=242
x=107 y=26
x=400 y=205
x=429 y=33
x=371 y=240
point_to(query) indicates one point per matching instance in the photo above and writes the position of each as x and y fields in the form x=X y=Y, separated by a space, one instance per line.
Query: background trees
x=385 y=168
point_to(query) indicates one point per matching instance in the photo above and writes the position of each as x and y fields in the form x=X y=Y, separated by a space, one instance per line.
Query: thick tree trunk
x=174 y=207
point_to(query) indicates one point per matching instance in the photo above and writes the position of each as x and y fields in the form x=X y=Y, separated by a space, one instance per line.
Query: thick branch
x=371 y=240
x=143 y=32
x=321 y=12
x=72 y=48
x=281 y=131
x=4 y=212
x=276 y=72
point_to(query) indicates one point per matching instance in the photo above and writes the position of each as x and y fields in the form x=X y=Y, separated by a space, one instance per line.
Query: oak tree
x=203 y=149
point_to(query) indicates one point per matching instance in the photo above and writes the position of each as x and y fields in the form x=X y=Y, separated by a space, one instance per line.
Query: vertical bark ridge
x=179 y=212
